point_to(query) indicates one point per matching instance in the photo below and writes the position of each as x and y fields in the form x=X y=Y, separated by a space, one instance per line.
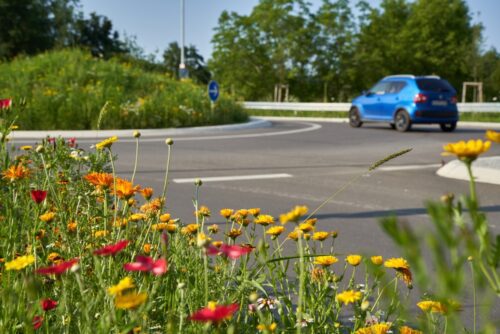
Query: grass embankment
x=70 y=89
x=465 y=117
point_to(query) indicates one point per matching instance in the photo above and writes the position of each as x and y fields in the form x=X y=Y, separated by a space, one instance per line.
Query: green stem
x=115 y=200
x=473 y=294
x=136 y=159
x=301 y=284
x=472 y=183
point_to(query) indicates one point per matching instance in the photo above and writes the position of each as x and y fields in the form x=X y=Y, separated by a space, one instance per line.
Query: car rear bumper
x=435 y=116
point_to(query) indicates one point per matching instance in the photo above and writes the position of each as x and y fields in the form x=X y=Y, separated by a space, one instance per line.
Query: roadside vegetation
x=70 y=89
x=84 y=249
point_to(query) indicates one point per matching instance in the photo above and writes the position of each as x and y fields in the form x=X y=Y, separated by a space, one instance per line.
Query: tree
x=98 y=35
x=334 y=42
x=194 y=62
x=25 y=27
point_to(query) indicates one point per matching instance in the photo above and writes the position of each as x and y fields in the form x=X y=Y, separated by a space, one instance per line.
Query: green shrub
x=69 y=89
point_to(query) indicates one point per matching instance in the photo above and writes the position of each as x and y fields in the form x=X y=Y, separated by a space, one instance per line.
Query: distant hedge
x=69 y=89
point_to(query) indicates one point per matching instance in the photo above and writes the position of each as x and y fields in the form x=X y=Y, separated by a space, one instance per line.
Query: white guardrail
x=307 y=106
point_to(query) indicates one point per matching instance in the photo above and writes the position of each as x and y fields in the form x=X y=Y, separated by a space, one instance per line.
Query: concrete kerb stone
x=485 y=170
x=128 y=133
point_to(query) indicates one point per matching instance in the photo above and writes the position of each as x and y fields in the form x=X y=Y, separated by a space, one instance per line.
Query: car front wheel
x=448 y=127
x=402 y=121
x=354 y=118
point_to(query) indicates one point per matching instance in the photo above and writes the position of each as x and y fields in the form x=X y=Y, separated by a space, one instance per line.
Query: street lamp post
x=183 y=73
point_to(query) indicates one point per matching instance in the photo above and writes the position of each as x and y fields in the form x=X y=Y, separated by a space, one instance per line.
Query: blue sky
x=156 y=23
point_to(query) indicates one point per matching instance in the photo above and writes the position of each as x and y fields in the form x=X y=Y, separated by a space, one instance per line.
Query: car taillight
x=420 y=98
x=453 y=100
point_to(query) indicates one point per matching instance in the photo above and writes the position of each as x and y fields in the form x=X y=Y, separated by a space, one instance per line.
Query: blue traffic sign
x=213 y=90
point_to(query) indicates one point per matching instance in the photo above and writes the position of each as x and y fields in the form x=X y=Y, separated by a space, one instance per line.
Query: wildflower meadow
x=84 y=250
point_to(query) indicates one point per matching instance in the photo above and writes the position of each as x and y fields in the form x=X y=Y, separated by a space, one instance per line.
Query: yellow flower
x=493 y=136
x=381 y=328
x=348 y=296
x=325 y=261
x=397 y=263
x=234 y=233
x=213 y=228
x=190 y=229
x=55 y=258
x=270 y=328
x=377 y=260
x=320 y=236
x=226 y=213
x=47 y=217
x=312 y=221
x=202 y=240
x=408 y=330
x=124 y=284
x=353 y=260
x=203 y=211
x=130 y=300
x=20 y=263
x=106 y=143
x=432 y=306
x=295 y=235
x=402 y=268
x=164 y=218
x=137 y=216
x=306 y=227
x=217 y=244
x=467 y=151
x=254 y=211
x=26 y=147
x=147 y=248
x=274 y=231
x=264 y=220
x=294 y=214
x=100 y=234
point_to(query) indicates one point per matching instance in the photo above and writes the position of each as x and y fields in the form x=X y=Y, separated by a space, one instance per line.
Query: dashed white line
x=234 y=178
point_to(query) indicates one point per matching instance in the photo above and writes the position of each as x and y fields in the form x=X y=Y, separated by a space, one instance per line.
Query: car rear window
x=434 y=85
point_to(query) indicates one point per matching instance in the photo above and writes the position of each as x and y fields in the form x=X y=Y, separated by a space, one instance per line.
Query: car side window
x=395 y=87
x=380 y=88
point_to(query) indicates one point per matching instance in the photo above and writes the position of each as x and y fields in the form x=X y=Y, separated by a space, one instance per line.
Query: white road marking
x=408 y=167
x=234 y=178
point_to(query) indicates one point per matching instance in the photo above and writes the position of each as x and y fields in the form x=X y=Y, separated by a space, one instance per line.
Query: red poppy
x=72 y=142
x=5 y=103
x=48 y=304
x=145 y=263
x=38 y=195
x=37 y=322
x=231 y=251
x=112 y=249
x=57 y=269
x=214 y=313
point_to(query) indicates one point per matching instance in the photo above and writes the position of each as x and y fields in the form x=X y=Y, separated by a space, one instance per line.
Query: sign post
x=213 y=94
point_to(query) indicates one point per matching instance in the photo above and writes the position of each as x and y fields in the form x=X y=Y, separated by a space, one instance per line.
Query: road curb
x=128 y=133
x=485 y=170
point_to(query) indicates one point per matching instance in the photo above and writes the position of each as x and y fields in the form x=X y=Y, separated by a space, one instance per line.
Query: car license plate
x=439 y=103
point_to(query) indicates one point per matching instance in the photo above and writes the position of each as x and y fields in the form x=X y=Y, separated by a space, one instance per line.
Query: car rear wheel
x=448 y=127
x=402 y=121
x=354 y=118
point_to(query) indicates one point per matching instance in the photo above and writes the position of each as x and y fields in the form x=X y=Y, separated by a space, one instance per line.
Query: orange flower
x=14 y=173
x=152 y=206
x=147 y=193
x=100 y=180
x=72 y=226
x=124 y=189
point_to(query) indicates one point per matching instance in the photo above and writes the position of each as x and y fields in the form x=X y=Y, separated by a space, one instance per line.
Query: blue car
x=403 y=100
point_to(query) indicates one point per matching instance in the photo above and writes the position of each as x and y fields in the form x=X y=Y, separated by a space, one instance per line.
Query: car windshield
x=434 y=85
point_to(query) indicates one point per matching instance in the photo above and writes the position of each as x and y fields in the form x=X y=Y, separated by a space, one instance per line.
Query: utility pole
x=183 y=73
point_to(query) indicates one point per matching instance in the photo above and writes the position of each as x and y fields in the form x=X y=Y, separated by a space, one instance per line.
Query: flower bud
x=169 y=141
x=198 y=182
x=39 y=149
x=137 y=134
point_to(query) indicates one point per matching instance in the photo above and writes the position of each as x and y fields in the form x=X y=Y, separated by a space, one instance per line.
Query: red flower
x=38 y=195
x=145 y=263
x=72 y=142
x=5 y=103
x=57 y=269
x=231 y=251
x=214 y=313
x=37 y=322
x=48 y=304
x=112 y=249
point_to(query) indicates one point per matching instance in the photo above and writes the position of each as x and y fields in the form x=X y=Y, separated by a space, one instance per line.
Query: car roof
x=410 y=76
